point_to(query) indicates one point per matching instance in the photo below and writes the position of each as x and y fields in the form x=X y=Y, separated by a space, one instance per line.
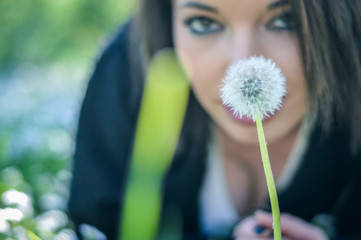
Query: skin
x=206 y=57
x=292 y=228
x=209 y=35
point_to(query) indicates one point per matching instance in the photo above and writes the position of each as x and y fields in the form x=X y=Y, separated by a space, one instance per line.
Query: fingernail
x=259 y=229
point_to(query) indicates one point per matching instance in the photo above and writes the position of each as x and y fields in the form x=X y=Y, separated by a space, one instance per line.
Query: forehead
x=236 y=8
x=269 y=3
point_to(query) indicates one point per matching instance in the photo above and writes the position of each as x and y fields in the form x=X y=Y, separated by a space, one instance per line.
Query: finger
x=293 y=227
x=297 y=228
x=249 y=228
x=262 y=231
x=264 y=218
x=253 y=238
x=245 y=228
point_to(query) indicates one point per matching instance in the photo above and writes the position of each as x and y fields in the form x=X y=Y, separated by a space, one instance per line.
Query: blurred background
x=47 y=53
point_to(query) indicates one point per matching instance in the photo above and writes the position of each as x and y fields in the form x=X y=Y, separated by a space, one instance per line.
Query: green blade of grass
x=160 y=121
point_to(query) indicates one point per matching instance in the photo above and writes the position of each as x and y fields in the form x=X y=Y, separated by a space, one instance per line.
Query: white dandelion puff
x=253 y=86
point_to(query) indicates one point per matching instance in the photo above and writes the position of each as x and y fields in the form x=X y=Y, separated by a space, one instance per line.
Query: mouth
x=249 y=120
x=244 y=119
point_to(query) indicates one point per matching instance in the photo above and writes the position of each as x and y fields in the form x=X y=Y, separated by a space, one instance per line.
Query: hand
x=259 y=226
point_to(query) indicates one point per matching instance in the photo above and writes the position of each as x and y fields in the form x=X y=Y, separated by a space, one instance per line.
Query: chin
x=244 y=134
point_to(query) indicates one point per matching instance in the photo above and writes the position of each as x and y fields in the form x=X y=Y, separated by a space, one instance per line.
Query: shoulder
x=117 y=45
x=114 y=58
x=105 y=127
x=107 y=110
x=326 y=170
x=111 y=81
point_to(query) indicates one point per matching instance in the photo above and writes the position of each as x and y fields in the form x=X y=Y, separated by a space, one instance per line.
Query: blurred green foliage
x=46 y=50
x=44 y=30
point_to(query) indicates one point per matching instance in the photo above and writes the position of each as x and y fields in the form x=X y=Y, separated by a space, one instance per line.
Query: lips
x=244 y=119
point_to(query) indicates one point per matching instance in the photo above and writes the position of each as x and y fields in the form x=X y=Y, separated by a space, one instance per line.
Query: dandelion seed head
x=252 y=85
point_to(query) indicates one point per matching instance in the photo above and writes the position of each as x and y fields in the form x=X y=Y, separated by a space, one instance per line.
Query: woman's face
x=211 y=34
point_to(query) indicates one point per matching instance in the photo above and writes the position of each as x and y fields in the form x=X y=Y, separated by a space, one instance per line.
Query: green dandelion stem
x=269 y=179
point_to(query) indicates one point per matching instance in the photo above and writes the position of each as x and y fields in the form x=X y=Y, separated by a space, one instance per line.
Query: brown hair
x=330 y=37
x=329 y=32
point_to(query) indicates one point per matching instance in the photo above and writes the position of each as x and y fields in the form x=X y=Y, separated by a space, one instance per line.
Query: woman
x=313 y=141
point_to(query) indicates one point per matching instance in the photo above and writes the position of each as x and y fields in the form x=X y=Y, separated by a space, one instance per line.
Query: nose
x=242 y=44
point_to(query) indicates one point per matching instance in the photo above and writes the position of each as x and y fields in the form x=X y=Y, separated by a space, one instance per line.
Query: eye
x=203 y=25
x=282 y=22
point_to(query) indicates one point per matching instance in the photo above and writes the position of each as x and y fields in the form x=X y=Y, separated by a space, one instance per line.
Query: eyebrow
x=200 y=6
x=277 y=4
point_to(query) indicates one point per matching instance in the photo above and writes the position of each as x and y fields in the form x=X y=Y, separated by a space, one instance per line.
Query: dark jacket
x=328 y=180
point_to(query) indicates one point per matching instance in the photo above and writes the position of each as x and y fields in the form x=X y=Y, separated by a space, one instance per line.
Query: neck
x=244 y=170
x=278 y=151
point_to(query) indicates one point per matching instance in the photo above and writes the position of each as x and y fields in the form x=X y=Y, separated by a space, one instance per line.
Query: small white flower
x=91 y=232
x=52 y=220
x=21 y=200
x=9 y=214
x=254 y=85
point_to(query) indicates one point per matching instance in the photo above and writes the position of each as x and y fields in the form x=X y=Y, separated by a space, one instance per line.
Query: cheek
x=288 y=57
x=296 y=82
x=202 y=62
x=291 y=63
x=202 y=73
x=192 y=57
x=184 y=47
